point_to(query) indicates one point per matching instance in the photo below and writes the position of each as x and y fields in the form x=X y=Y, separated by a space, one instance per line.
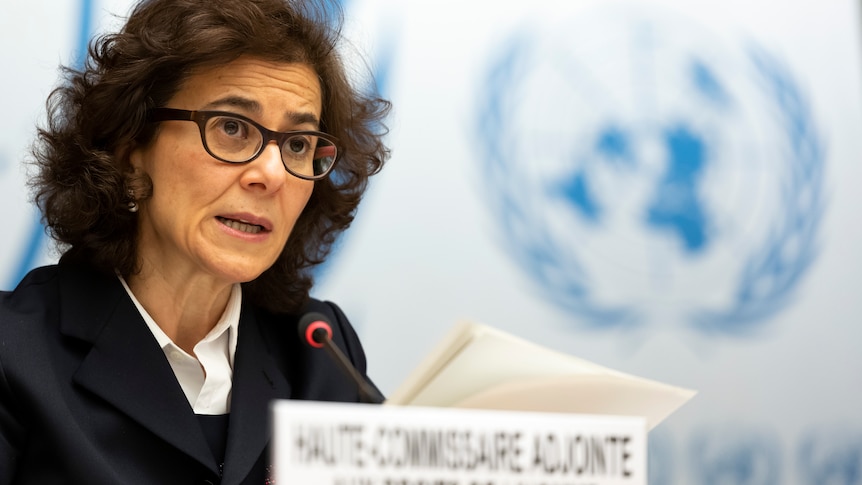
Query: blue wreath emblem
x=831 y=457
x=671 y=177
x=731 y=455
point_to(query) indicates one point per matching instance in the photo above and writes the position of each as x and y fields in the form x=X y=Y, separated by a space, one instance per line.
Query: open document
x=476 y=366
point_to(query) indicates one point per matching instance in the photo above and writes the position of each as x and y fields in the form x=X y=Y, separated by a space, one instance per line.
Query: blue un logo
x=646 y=170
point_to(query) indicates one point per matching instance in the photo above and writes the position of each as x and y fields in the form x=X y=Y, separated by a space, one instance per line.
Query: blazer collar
x=125 y=365
x=126 y=368
x=257 y=380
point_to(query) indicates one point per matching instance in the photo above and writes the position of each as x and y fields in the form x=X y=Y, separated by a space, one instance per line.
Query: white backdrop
x=666 y=187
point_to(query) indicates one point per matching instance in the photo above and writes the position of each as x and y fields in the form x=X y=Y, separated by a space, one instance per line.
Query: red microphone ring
x=310 y=331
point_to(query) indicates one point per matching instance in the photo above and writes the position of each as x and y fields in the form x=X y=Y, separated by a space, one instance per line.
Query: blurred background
x=666 y=187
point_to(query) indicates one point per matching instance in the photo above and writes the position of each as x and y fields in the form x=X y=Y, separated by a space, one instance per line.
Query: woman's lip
x=247 y=218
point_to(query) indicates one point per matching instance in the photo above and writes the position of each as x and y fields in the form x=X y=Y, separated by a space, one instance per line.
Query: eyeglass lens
x=236 y=140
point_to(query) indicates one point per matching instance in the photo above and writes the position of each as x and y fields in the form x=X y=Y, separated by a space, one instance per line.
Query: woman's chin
x=235 y=270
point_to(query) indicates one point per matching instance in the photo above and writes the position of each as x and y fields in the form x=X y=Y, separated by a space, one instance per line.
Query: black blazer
x=87 y=395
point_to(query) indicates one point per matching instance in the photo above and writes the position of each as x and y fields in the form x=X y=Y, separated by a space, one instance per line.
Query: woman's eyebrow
x=300 y=118
x=246 y=104
x=251 y=106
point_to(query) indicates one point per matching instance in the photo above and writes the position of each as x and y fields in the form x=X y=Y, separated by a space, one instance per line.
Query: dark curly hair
x=83 y=175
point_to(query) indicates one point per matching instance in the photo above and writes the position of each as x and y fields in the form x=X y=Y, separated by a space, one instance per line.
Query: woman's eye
x=233 y=127
x=298 y=146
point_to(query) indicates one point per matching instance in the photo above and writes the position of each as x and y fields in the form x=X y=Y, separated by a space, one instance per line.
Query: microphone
x=316 y=331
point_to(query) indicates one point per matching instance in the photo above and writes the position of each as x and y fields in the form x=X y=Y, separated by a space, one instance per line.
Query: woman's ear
x=132 y=157
x=131 y=160
x=123 y=156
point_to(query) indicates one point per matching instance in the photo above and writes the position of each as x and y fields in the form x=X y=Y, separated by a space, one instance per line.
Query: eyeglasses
x=233 y=138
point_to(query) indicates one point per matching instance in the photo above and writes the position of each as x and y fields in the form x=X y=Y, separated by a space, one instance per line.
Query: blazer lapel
x=257 y=380
x=125 y=365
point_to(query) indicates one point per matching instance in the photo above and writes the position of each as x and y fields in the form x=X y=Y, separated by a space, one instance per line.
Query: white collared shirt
x=206 y=377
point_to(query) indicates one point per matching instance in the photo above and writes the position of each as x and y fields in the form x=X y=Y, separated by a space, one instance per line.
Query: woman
x=189 y=174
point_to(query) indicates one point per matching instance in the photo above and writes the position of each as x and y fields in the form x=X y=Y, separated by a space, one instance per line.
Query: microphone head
x=314 y=329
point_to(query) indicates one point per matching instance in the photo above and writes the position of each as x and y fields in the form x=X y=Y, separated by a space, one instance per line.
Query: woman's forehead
x=250 y=85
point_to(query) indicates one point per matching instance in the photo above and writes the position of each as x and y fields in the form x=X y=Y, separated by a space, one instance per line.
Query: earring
x=133 y=204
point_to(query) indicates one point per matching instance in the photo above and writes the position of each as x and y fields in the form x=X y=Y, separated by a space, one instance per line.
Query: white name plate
x=361 y=444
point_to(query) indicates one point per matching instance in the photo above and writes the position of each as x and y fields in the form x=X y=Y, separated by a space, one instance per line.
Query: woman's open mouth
x=240 y=226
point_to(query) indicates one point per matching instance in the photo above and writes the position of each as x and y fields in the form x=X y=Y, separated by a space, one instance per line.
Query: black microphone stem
x=367 y=392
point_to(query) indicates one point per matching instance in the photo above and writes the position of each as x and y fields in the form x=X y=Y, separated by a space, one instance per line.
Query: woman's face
x=207 y=217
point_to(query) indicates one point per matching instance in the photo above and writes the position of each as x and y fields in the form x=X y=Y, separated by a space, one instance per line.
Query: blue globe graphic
x=644 y=170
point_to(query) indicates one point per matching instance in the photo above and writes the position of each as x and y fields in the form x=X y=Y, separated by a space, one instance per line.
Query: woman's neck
x=186 y=308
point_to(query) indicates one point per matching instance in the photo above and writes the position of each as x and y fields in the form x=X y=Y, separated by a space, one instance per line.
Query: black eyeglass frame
x=200 y=118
